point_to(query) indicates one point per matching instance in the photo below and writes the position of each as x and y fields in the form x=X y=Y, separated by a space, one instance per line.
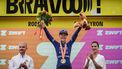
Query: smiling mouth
x=94 y=49
x=21 y=50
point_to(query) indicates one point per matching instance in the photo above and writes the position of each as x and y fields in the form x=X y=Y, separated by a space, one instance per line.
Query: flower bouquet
x=46 y=18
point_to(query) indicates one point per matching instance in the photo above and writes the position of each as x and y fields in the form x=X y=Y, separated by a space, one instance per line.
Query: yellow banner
x=61 y=7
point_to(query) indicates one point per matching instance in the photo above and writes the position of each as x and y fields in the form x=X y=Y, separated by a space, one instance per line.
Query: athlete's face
x=95 y=47
x=63 y=37
x=22 y=48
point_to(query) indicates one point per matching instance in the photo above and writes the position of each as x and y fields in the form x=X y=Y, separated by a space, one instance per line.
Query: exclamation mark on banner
x=98 y=7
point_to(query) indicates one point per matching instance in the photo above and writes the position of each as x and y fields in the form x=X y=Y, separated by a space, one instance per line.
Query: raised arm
x=75 y=35
x=49 y=36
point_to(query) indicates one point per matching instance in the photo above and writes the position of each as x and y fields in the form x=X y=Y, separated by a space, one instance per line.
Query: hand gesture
x=91 y=56
x=23 y=65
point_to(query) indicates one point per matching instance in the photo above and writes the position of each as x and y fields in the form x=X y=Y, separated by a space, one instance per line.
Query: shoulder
x=101 y=56
x=28 y=57
x=16 y=56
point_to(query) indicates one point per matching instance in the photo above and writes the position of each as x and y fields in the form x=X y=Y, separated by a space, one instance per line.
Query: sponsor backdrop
x=106 y=30
x=18 y=21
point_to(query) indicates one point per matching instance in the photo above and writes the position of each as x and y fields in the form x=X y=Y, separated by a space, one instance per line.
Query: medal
x=63 y=61
x=63 y=52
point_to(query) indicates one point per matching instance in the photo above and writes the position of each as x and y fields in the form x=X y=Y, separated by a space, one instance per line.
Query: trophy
x=83 y=22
